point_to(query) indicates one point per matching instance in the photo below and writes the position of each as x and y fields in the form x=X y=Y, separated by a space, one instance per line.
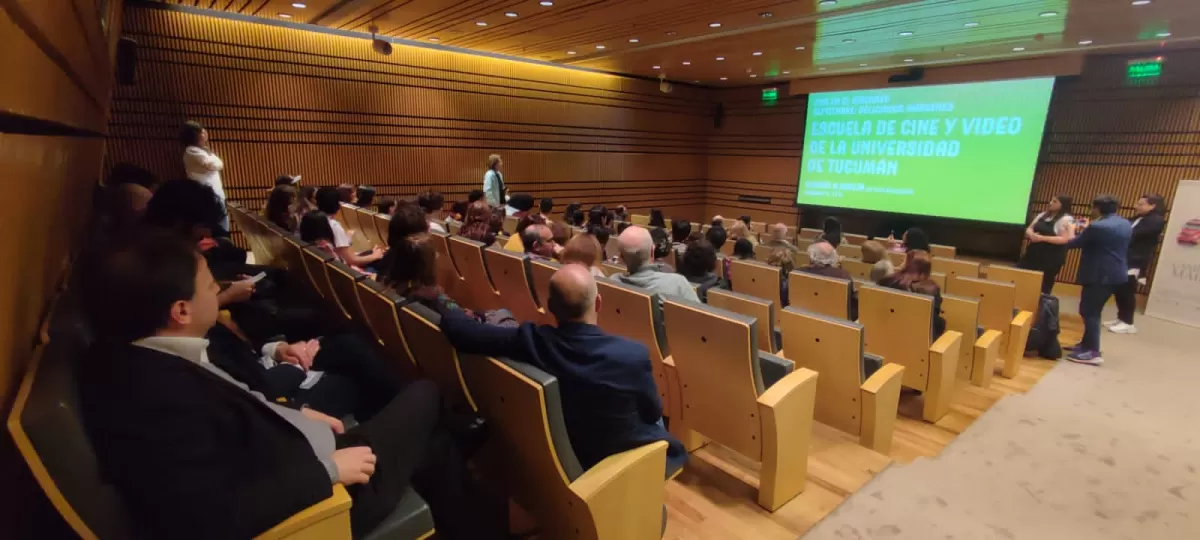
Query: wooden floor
x=715 y=496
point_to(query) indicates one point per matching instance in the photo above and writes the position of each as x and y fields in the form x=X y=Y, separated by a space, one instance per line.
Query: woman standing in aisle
x=1048 y=235
x=494 y=190
x=201 y=164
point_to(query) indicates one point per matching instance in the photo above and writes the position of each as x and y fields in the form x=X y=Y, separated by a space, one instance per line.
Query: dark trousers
x=1091 y=305
x=1126 y=300
x=411 y=448
x=1048 y=279
x=357 y=380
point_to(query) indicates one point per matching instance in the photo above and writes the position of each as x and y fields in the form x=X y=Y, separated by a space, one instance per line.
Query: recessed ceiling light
x=714 y=25
x=756 y=53
x=634 y=40
x=571 y=53
x=971 y=24
x=656 y=67
x=434 y=39
x=766 y=14
x=686 y=63
x=481 y=23
x=960 y=55
x=800 y=48
x=724 y=78
x=908 y=59
x=299 y=5
x=672 y=33
x=719 y=58
x=1086 y=42
x=785 y=72
x=601 y=47
x=1140 y=2
x=752 y=75
x=905 y=33
x=848 y=40
x=862 y=65
x=1163 y=34
x=821 y=69
x=1018 y=49
x=827 y=2
x=512 y=14
x=546 y=3
x=1048 y=14
x=284 y=16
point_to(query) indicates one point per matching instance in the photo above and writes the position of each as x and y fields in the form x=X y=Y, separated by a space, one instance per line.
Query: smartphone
x=258 y=277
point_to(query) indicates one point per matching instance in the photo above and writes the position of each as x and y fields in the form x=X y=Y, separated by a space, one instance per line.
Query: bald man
x=779 y=239
x=637 y=251
x=610 y=401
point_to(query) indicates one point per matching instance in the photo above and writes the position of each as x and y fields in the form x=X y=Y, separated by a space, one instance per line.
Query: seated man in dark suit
x=196 y=454
x=610 y=401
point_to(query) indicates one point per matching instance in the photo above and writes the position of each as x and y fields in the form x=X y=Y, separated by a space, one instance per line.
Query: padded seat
x=438 y=360
x=954 y=268
x=411 y=520
x=857 y=268
x=849 y=250
x=382 y=308
x=757 y=279
x=750 y=306
x=819 y=294
x=636 y=313
x=476 y=290
x=343 y=280
x=540 y=272
x=997 y=311
x=510 y=273
x=315 y=261
x=978 y=361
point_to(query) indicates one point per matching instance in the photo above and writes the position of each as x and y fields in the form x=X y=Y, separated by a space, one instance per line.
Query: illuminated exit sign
x=1144 y=69
x=770 y=94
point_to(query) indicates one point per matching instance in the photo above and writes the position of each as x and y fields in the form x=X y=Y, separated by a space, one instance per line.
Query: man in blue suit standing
x=1102 y=268
x=609 y=397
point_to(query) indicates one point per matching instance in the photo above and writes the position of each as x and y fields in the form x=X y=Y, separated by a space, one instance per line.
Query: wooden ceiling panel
x=809 y=38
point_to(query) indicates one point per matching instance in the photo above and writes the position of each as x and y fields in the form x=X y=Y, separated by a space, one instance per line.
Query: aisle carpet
x=1089 y=453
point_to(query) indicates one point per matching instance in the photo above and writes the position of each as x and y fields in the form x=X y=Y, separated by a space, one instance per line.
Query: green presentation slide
x=965 y=151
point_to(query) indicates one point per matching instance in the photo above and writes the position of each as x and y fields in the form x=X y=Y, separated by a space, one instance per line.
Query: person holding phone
x=1048 y=235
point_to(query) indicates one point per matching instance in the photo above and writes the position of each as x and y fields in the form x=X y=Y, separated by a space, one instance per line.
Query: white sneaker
x=1122 y=328
x=1112 y=322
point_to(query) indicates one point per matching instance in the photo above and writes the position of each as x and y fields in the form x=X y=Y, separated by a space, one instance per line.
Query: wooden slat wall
x=56 y=61
x=286 y=100
x=1105 y=136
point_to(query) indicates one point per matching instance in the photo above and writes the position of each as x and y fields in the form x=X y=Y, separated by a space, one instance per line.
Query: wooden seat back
x=635 y=313
x=938 y=250
x=612 y=269
x=621 y=497
x=854 y=239
x=366 y=223
x=434 y=355
x=540 y=272
x=834 y=349
x=819 y=294
x=382 y=307
x=637 y=219
x=996 y=300
x=510 y=274
x=762 y=252
x=852 y=251
x=454 y=226
x=510 y=225
x=809 y=233
x=753 y=278
x=727 y=248
x=955 y=268
x=343 y=280
x=314 y=261
x=800 y=259
x=750 y=306
x=448 y=276
x=293 y=259
x=476 y=290
x=383 y=224
x=962 y=316
x=715 y=353
x=897 y=258
x=1028 y=284
x=857 y=268
x=899 y=327
x=939 y=278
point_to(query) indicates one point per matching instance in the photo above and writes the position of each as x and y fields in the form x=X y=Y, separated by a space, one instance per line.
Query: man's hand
x=238 y=291
x=300 y=353
x=355 y=465
x=334 y=424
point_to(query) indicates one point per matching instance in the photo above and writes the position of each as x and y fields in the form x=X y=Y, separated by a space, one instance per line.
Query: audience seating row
x=621 y=497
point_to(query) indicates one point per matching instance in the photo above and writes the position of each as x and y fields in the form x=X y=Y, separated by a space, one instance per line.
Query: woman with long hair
x=914 y=277
x=415 y=268
x=281 y=208
x=201 y=164
x=1048 y=235
x=656 y=219
x=697 y=266
x=477 y=223
x=316 y=230
x=494 y=190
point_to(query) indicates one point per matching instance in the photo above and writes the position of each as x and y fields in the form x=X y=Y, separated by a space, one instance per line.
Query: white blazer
x=204 y=167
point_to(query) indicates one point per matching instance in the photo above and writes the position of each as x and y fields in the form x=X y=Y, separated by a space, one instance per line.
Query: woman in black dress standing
x=1048 y=256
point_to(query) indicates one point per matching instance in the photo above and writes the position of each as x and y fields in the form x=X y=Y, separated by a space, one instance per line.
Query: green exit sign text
x=770 y=94
x=1144 y=69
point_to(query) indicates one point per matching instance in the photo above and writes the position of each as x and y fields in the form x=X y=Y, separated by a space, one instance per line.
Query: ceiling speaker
x=912 y=75
x=380 y=46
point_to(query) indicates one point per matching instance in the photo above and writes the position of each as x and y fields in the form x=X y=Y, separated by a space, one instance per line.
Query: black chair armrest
x=773 y=368
x=870 y=364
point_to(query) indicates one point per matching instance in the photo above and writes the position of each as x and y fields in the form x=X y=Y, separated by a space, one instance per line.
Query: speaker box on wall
x=718 y=115
x=912 y=75
x=126 y=61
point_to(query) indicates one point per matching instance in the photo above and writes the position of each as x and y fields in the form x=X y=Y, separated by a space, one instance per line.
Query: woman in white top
x=493 y=182
x=200 y=163
x=1048 y=235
